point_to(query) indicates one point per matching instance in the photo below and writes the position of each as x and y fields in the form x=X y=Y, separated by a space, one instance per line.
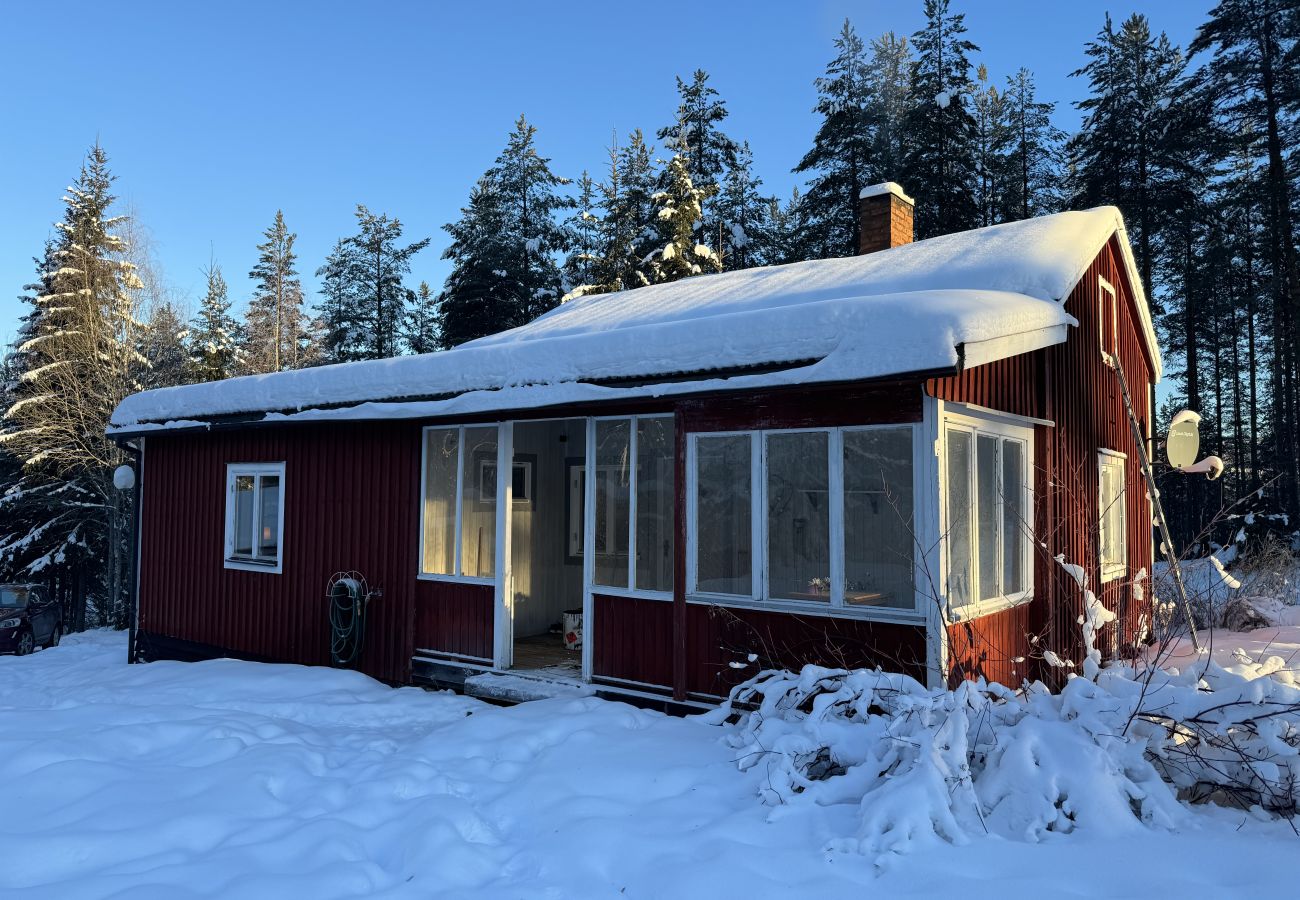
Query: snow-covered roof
x=960 y=299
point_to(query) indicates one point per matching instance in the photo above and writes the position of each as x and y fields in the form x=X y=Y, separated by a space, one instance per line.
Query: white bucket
x=573 y=629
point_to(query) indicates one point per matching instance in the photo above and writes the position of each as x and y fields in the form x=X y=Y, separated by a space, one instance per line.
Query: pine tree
x=78 y=361
x=214 y=335
x=420 y=330
x=992 y=140
x=1253 y=76
x=678 y=214
x=743 y=214
x=700 y=113
x=482 y=294
x=1034 y=156
x=940 y=161
x=840 y=158
x=1124 y=152
x=274 y=314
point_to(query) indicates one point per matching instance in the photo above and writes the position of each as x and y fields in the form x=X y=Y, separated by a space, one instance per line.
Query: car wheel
x=54 y=637
x=26 y=643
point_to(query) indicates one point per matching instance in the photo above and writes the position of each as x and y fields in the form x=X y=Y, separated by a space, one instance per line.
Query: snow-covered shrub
x=1101 y=756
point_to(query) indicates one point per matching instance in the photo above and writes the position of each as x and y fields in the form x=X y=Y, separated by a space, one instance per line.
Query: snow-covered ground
x=235 y=779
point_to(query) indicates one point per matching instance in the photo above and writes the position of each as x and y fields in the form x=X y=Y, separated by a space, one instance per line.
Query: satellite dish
x=1184 y=440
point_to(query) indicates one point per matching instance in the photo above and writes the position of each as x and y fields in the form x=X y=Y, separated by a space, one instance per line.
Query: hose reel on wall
x=349 y=596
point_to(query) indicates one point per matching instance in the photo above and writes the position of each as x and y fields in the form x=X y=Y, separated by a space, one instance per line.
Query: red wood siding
x=1070 y=385
x=988 y=647
x=455 y=618
x=351 y=502
x=632 y=640
x=803 y=408
x=718 y=636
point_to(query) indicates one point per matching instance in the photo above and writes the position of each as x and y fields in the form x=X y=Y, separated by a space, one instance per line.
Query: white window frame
x=1113 y=459
x=1107 y=313
x=758 y=597
x=630 y=589
x=1006 y=427
x=457 y=562
x=256 y=471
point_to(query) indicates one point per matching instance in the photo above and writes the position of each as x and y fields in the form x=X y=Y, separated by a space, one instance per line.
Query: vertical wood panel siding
x=351 y=501
x=1070 y=385
x=719 y=636
x=633 y=640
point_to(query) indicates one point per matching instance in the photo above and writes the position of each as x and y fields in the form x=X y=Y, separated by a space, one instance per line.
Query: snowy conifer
x=940 y=167
x=585 y=228
x=274 y=315
x=1034 y=170
x=710 y=153
x=420 y=328
x=483 y=294
x=991 y=144
x=162 y=344
x=214 y=334
x=677 y=211
x=840 y=159
x=743 y=214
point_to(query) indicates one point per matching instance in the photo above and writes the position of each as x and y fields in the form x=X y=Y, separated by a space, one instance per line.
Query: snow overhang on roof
x=961 y=299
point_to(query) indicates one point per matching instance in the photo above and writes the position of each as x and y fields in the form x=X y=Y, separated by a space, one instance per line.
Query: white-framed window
x=818 y=517
x=255 y=516
x=1112 y=515
x=635 y=461
x=1107 y=318
x=987 y=486
x=458 y=528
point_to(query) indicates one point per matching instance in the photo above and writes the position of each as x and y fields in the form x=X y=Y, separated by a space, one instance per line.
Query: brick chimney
x=884 y=218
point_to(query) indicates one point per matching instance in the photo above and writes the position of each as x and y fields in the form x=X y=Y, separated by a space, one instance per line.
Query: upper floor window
x=254 y=516
x=1112 y=515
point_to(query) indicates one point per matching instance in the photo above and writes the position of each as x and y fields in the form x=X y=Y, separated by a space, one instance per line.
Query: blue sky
x=215 y=115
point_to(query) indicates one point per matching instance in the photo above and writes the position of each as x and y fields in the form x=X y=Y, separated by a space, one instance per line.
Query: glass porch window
x=613 y=501
x=478 y=503
x=798 y=516
x=442 y=458
x=656 y=456
x=879 y=525
x=724 y=563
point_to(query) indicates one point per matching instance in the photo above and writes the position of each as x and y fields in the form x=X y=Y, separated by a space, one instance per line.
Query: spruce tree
x=840 y=159
x=629 y=232
x=420 y=329
x=743 y=214
x=678 y=210
x=214 y=335
x=162 y=345
x=700 y=113
x=586 y=228
x=78 y=360
x=889 y=74
x=483 y=294
x=940 y=168
x=274 y=316
x=1034 y=155
x=528 y=190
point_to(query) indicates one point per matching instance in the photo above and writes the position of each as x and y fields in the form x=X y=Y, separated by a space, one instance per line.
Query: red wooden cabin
x=864 y=461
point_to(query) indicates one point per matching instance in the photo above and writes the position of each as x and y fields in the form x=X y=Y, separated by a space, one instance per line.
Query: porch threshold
x=520 y=686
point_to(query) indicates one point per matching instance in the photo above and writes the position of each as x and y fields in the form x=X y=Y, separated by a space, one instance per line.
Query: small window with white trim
x=1107 y=318
x=1112 y=515
x=254 y=516
x=988 y=511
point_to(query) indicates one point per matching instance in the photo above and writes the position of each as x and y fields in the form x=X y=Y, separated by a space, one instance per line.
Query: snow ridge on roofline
x=892 y=312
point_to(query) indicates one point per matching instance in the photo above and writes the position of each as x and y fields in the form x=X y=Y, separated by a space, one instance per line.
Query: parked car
x=28 y=619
